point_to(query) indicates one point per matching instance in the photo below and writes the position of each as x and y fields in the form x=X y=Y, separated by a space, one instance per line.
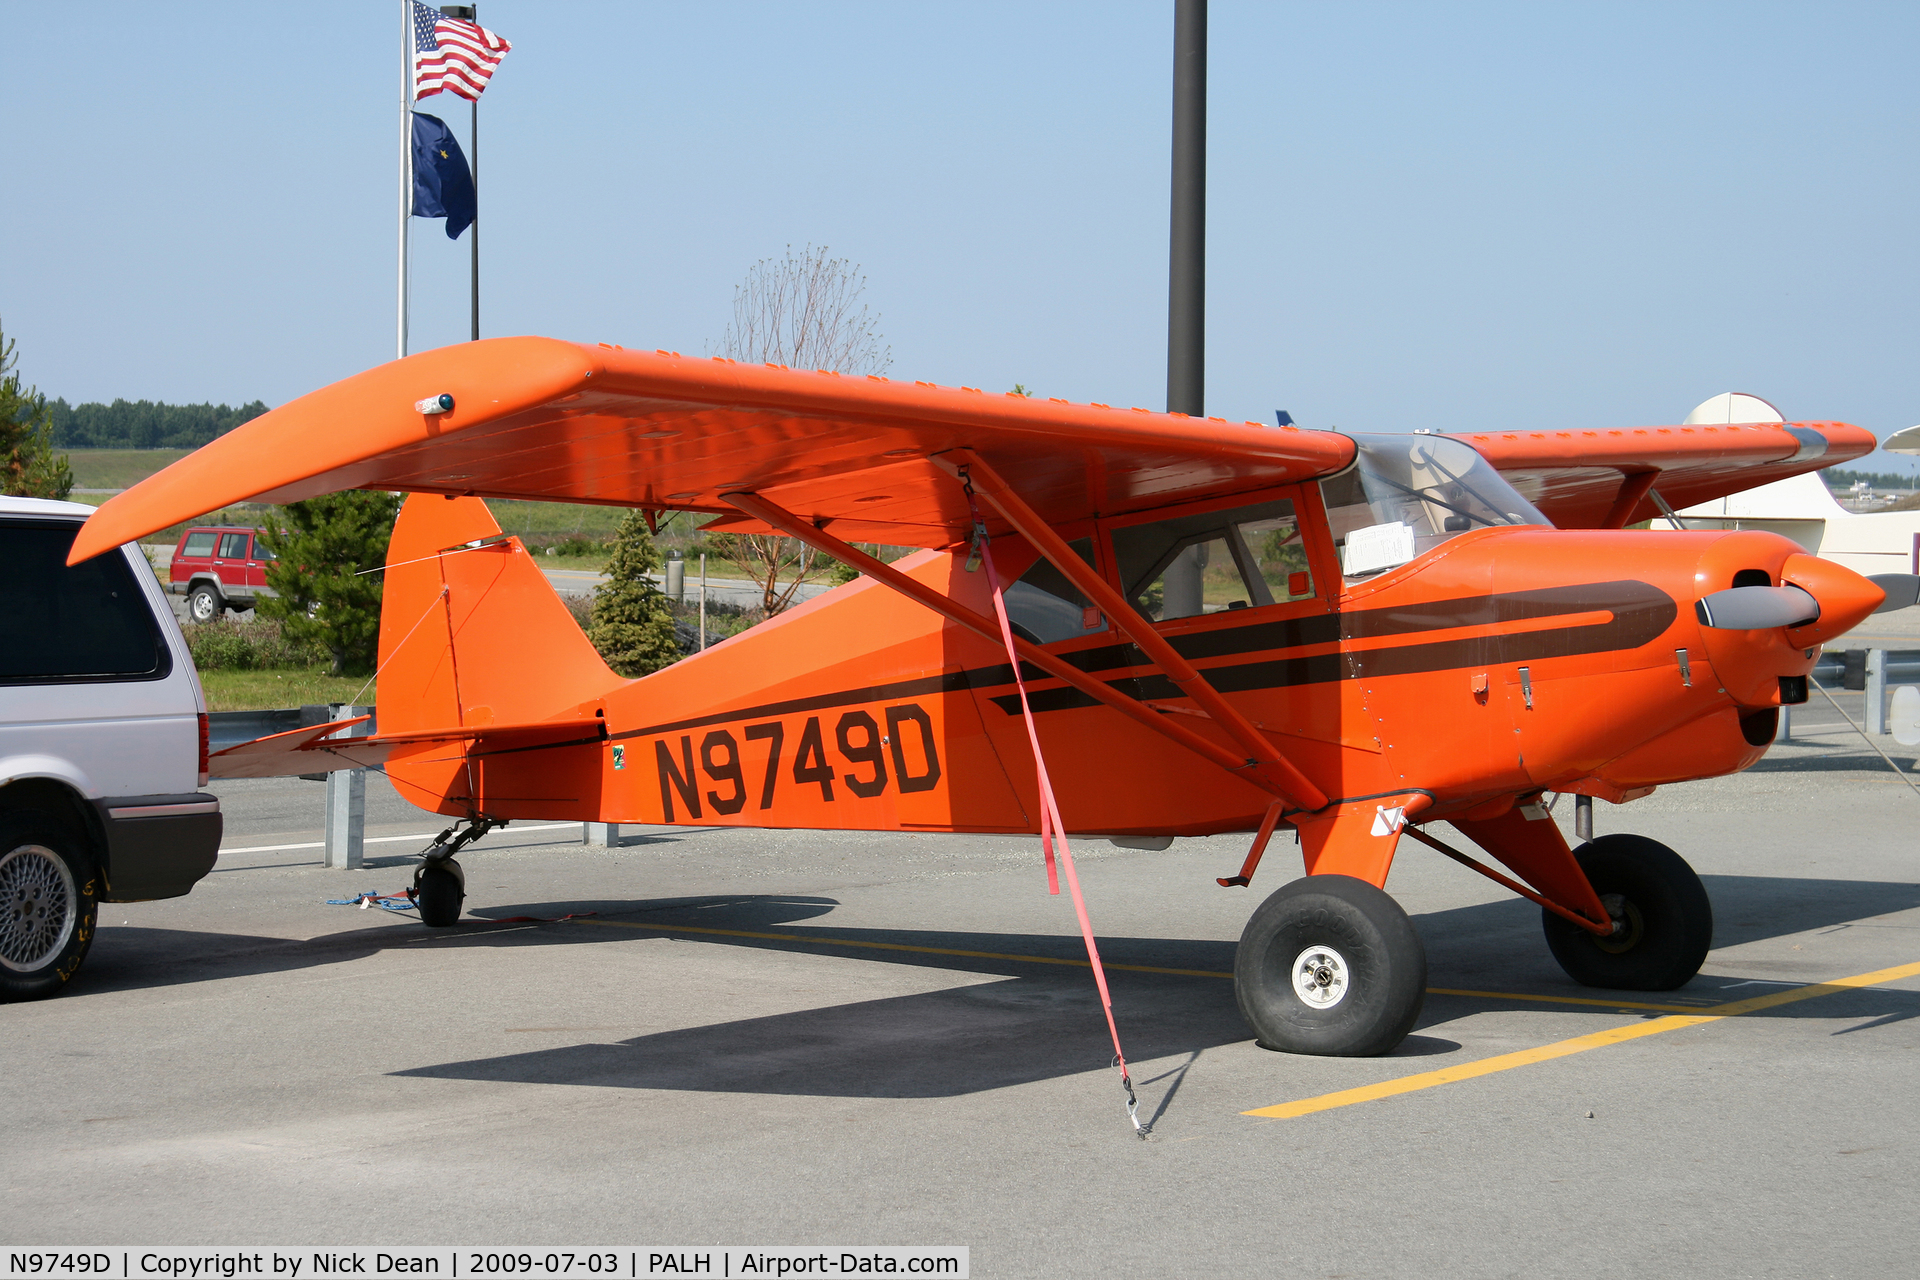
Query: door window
x=233 y=546
x=1044 y=607
x=1235 y=558
x=261 y=552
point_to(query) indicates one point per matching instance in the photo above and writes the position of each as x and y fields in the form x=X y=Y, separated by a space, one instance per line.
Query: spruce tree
x=29 y=468
x=632 y=623
x=323 y=547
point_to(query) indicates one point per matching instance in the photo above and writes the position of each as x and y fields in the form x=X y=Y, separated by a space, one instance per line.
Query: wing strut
x=1278 y=775
x=820 y=540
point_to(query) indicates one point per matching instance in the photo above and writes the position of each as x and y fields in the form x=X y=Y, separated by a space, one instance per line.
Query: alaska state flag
x=442 y=183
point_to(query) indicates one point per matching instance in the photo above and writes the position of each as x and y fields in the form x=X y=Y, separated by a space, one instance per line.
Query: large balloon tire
x=1667 y=915
x=439 y=889
x=49 y=898
x=1330 y=965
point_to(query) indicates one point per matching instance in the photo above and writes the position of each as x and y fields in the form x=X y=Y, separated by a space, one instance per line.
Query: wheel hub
x=1320 y=977
x=38 y=906
x=1629 y=926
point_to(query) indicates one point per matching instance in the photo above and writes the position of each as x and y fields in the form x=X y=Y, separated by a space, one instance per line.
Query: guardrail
x=1869 y=671
x=231 y=728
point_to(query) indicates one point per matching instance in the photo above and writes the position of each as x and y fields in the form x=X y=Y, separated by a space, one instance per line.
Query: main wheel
x=1666 y=918
x=1330 y=965
x=438 y=890
x=48 y=896
x=204 y=604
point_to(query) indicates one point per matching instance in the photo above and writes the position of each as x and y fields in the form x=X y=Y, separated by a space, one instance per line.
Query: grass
x=273 y=690
x=118 y=468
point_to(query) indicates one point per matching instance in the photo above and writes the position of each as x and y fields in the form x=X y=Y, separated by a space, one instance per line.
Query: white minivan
x=103 y=745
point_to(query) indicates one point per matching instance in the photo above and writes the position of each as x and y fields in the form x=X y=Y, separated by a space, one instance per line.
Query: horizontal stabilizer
x=311 y=750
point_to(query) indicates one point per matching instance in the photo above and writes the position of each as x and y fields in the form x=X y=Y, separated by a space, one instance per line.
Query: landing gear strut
x=440 y=885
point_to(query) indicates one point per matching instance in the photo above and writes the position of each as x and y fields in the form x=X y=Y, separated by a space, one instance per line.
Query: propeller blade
x=1903 y=590
x=1756 y=608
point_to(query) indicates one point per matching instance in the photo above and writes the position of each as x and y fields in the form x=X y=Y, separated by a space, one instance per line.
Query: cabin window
x=1044 y=607
x=1235 y=558
x=1406 y=494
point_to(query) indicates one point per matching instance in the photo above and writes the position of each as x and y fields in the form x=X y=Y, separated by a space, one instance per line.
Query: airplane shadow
x=1036 y=1022
x=1043 y=1022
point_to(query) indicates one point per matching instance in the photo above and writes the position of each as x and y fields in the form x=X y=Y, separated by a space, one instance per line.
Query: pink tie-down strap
x=1051 y=828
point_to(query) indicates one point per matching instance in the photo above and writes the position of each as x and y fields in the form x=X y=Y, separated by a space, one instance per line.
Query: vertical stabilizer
x=471 y=632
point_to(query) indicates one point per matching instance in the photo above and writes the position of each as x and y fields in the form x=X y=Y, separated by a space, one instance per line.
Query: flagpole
x=474 y=230
x=406 y=161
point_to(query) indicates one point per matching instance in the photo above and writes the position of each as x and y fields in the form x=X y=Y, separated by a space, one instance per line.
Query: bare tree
x=805 y=312
x=802 y=311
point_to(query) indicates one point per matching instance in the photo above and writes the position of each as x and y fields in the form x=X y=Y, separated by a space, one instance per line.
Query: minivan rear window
x=90 y=622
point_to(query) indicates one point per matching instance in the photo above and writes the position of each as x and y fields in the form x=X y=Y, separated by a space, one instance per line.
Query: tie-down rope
x=1051 y=828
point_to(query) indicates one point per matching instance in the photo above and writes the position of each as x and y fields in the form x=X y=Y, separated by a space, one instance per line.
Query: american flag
x=452 y=54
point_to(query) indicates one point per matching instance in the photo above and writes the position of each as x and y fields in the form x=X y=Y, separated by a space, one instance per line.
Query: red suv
x=219 y=567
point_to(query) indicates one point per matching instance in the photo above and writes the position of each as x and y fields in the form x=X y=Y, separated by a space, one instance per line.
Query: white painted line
x=427 y=835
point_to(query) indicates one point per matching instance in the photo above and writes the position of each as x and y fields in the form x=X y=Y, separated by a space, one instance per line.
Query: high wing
x=1607 y=479
x=541 y=419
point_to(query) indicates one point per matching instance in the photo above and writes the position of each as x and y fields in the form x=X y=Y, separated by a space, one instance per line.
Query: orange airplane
x=1223 y=628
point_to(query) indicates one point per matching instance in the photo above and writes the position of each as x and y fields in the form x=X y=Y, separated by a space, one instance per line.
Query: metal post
x=676 y=577
x=1583 y=817
x=471 y=13
x=406 y=158
x=473 y=231
x=1876 y=691
x=1187 y=259
x=703 y=602
x=1786 y=725
x=606 y=834
x=347 y=805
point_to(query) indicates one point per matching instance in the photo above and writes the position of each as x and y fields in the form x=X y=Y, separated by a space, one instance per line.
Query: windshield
x=1405 y=494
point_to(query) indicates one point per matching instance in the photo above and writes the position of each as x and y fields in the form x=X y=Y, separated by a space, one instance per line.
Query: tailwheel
x=1330 y=965
x=1664 y=920
x=439 y=889
x=440 y=886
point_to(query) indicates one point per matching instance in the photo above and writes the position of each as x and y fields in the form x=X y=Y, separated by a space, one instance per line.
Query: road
x=793 y=1038
x=734 y=592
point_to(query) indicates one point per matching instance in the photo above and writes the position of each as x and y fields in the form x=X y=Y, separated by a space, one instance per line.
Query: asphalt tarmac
x=800 y=1038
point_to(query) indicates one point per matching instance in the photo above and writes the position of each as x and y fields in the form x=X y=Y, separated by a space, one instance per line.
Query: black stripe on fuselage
x=1641 y=613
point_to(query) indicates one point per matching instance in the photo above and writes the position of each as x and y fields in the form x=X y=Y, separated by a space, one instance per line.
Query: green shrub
x=259 y=645
x=329 y=595
x=632 y=621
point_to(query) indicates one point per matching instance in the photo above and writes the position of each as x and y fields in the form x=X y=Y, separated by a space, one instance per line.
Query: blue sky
x=1456 y=216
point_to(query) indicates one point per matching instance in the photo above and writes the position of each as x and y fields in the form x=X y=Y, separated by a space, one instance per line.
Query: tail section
x=471 y=635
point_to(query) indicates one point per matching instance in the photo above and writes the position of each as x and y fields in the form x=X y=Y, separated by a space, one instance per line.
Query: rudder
x=471 y=632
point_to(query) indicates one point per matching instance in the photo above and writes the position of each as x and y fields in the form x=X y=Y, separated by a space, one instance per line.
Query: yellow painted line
x=1604 y=1004
x=1579 y=1044
x=899 y=946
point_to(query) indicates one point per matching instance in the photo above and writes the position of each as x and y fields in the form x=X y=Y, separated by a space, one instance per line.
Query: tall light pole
x=1187 y=273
